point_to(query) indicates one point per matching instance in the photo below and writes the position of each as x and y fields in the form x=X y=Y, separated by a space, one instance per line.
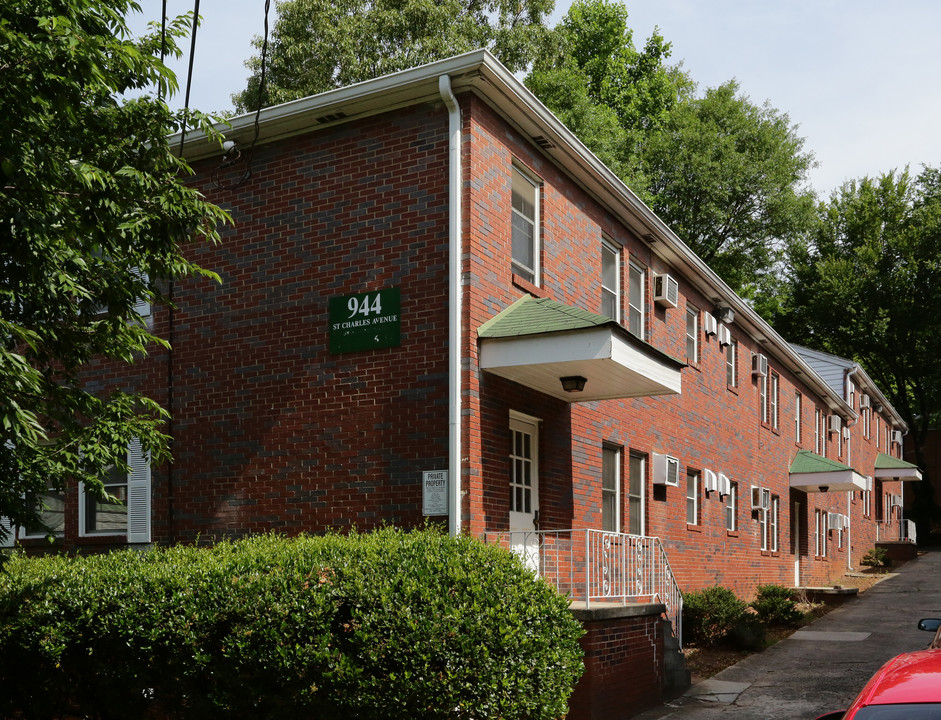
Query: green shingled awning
x=893 y=468
x=811 y=472
x=536 y=342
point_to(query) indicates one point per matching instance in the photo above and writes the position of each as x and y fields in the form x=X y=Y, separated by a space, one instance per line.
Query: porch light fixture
x=573 y=383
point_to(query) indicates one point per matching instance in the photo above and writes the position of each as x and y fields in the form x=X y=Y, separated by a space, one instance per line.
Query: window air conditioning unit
x=666 y=290
x=864 y=401
x=834 y=423
x=846 y=434
x=759 y=365
x=760 y=498
x=835 y=521
x=897 y=436
x=710 y=481
x=666 y=470
x=710 y=325
x=725 y=335
x=725 y=485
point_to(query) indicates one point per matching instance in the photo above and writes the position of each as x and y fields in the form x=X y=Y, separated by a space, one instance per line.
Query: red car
x=907 y=687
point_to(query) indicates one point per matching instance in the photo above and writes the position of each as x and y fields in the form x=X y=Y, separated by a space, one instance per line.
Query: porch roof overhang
x=892 y=468
x=812 y=473
x=536 y=342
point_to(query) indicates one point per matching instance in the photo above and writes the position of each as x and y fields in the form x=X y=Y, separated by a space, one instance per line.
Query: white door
x=524 y=488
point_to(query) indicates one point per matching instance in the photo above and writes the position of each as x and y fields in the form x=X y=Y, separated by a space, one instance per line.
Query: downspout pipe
x=455 y=172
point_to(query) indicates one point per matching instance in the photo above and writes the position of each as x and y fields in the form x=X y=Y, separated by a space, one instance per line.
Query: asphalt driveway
x=822 y=666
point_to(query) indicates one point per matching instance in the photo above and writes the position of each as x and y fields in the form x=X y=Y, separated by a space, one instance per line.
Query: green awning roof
x=537 y=341
x=893 y=468
x=811 y=472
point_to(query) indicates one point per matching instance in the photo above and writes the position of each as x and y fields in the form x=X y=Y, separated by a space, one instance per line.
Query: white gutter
x=454 y=304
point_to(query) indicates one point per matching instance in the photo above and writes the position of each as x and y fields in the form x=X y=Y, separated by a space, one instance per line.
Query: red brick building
x=436 y=302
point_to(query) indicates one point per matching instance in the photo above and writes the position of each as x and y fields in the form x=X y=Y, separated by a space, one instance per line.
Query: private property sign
x=366 y=321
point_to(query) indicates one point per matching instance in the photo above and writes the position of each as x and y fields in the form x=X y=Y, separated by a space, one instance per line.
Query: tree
x=95 y=213
x=611 y=95
x=318 y=45
x=726 y=175
x=729 y=178
x=864 y=286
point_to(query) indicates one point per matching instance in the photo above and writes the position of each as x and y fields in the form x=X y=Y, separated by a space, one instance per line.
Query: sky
x=860 y=78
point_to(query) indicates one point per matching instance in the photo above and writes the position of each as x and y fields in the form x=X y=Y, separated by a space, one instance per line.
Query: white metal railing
x=908 y=531
x=597 y=566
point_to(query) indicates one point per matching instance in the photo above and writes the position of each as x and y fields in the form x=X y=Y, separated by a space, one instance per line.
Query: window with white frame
x=635 y=494
x=610 y=488
x=763 y=396
x=692 y=498
x=610 y=280
x=773 y=398
x=820 y=533
x=50 y=508
x=731 y=364
x=817 y=430
x=125 y=510
x=731 y=508
x=763 y=527
x=867 y=498
x=525 y=235
x=773 y=520
x=692 y=335
x=636 y=300
x=798 y=409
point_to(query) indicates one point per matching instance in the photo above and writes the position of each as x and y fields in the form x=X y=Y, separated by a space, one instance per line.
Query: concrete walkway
x=822 y=666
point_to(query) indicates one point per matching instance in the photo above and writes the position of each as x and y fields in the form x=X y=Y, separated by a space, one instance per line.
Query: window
x=692 y=498
x=635 y=494
x=525 y=227
x=817 y=430
x=692 y=335
x=773 y=400
x=773 y=523
x=610 y=489
x=127 y=512
x=763 y=527
x=731 y=364
x=51 y=507
x=867 y=420
x=820 y=533
x=867 y=498
x=798 y=407
x=635 y=300
x=763 y=396
x=523 y=466
x=731 y=508
x=610 y=280
x=849 y=446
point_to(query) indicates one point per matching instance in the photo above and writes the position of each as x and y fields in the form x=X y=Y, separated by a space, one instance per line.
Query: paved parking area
x=821 y=667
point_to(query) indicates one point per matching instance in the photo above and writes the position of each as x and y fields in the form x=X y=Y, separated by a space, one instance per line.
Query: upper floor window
x=817 y=430
x=763 y=396
x=692 y=335
x=798 y=408
x=610 y=280
x=525 y=227
x=635 y=300
x=773 y=390
x=731 y=508
x=731 y=364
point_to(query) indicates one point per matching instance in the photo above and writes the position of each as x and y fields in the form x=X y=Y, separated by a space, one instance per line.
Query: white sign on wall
x=435 y=492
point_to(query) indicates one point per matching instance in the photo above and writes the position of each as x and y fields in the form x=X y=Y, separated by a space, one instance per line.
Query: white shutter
x=138 y=494
x=7 y=525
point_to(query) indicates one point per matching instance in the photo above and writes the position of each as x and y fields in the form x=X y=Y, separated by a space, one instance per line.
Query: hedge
x=389 y=624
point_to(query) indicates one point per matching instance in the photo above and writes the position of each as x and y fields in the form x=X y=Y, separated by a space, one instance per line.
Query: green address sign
x=366 y=321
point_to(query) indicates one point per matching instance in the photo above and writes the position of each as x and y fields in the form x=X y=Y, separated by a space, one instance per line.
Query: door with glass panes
x=524 y=487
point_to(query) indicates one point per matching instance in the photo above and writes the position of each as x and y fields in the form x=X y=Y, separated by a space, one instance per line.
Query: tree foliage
x=318 y=45
x=728 y=176
x=865 y=283
x=94 y=211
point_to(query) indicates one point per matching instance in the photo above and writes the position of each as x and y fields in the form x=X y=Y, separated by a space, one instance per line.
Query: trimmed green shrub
x=389 y=624
x=709 y=615
x=748 y=633
x=775 y=606
x=877 y=557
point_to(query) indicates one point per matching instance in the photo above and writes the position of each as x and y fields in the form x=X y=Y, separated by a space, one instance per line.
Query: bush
x=877 y=557
x=748 y=633
x=710 y=615
x=775 y=606
x=381 y=625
